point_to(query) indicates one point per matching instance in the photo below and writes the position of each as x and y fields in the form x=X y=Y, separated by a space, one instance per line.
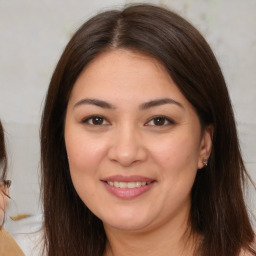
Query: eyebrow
x=99 y=103
x=144 y=106
x=158 y=102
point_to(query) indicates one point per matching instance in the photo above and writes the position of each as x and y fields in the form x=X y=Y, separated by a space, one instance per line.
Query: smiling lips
x=136 y=184
x=127 y=187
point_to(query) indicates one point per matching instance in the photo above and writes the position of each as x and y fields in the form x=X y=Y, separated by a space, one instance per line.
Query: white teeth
x=136 y=184
x=131 y=184
x=122 y=185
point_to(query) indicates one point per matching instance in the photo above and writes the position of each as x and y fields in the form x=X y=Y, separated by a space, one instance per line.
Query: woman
x=3 y=183
x=140 y=154
x=8 y=246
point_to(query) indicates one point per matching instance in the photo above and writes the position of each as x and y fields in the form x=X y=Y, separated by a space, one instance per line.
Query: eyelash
x=94 y=118
x=167 y=121
x=103 y=121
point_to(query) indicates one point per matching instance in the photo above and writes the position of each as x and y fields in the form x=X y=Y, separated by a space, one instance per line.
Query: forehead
x=125 y=62
x=124 y=72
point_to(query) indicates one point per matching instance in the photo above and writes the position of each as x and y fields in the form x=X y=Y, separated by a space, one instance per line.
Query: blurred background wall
x=33 y=34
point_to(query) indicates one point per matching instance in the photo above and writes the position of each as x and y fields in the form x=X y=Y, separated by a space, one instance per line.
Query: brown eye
x=96 y=120
x=159 y=121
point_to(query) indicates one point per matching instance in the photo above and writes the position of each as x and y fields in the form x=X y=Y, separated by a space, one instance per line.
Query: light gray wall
x=33 y=35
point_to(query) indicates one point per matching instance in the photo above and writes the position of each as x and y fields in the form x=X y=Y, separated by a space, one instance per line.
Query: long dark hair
x=3 y=157
x=3 y=168
x=218 y=211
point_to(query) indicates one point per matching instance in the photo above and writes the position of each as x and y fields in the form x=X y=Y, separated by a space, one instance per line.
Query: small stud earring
x=205 y=162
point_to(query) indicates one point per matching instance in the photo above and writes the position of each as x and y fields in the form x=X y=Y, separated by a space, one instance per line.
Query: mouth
x=136 y=184
x=128 y=187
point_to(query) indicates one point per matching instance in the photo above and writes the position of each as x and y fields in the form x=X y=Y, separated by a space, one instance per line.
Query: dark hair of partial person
x=3 y=165
x=3 y=157
x=218 y=211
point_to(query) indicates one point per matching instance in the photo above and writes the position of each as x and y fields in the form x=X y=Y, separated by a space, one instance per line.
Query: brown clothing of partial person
x=8 y=246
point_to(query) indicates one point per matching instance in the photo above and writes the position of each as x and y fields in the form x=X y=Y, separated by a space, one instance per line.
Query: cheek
x=177 y=159
x=84 y=153
x=85 y=157
x=82 y=164
x=177 y=162
x=177 y=151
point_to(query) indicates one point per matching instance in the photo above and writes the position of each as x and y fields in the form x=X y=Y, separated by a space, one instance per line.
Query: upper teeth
x=136 y=184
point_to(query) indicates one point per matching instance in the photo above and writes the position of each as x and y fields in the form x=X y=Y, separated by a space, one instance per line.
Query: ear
x=205 y=146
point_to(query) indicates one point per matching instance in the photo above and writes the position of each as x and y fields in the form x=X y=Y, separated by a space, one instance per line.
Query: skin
x=3 y=201
x=128 y=139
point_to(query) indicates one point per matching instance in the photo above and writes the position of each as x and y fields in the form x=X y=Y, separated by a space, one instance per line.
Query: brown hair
x=3 y=168
x=3 y=157
x=218 y=210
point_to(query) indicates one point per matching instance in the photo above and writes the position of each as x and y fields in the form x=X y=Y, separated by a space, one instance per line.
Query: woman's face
x=133 y=141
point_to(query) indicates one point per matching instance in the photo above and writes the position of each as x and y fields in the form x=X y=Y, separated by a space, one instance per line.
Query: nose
x=127 y=147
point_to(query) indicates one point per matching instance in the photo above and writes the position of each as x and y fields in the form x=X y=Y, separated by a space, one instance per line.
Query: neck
x=170 y=240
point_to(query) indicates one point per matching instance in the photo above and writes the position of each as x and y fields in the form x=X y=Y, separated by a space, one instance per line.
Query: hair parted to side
x=3 y=156
x=218 y=210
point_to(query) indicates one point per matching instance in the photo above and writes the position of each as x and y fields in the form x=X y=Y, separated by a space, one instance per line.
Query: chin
x=127 y=222
x=125 y=226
